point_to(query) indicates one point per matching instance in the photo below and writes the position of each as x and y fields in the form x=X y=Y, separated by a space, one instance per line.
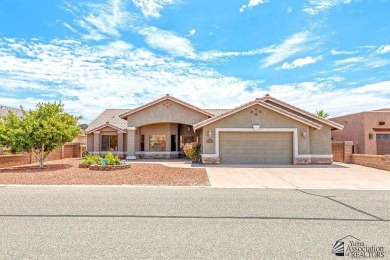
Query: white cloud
x=371 y=59
x=383 y=87
x=291 y=46
x=209 y=55
x=102 y=19
x=89 y=79
x=317 y=6
x=299 y=63
x=349 y=60
x=313 y=96
x=252 y=3
x=191 y=32
x=70 y=27
x=152 y=8
x=169 y=42
x=383 y=49
x=336 y=52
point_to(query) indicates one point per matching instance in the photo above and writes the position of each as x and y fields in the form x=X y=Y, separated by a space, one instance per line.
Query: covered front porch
x=161 y=140
x=158 y=129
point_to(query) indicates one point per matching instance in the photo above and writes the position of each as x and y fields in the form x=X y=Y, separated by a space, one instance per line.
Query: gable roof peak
x=166 y=97
x=303 y=112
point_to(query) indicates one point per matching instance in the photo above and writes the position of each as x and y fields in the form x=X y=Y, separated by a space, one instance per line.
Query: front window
x=157 y=143
x=109 y=143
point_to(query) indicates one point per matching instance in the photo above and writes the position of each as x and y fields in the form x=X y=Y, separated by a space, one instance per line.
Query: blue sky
x=329 y=54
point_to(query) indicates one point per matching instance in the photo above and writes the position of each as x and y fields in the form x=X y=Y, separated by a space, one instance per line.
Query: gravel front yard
x=67 y=172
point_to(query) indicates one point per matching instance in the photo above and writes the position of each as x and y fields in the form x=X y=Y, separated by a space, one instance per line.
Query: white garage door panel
x=256 y=148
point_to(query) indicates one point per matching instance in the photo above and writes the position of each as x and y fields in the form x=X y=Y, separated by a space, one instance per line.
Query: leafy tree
x=38 y=131
x=322 y=113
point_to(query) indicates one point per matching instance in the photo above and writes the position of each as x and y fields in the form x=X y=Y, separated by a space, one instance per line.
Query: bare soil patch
x=67 y=172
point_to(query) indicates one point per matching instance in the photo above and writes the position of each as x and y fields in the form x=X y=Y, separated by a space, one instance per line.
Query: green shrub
x=92 y=159
x=192 y=151
x=112 y=159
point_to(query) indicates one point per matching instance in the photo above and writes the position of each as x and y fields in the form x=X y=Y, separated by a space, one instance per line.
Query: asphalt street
x=63 y=222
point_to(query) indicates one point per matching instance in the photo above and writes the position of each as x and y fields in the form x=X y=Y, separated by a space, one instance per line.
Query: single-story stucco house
x=369 y=130
x=263 y=131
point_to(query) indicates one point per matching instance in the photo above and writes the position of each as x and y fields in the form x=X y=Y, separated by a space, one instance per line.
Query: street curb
x=186 y=187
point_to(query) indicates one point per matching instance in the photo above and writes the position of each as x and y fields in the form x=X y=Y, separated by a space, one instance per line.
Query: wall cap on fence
x=369 y=155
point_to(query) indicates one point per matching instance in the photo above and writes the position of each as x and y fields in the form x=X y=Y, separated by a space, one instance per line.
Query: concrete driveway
x=337 y=176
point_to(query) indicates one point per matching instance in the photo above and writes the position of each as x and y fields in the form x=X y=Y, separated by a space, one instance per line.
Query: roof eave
x=261 y=103
x=323 y=120
x=103 y=126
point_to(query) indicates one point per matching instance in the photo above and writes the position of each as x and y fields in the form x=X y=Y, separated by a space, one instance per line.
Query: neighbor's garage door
x=256 y=148
x=383 y=144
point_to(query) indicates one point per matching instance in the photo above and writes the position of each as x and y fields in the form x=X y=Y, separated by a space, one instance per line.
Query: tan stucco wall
x=320 y=140
x=357 y=128
x=158 y=113
x=268 y=119
x=90 y=142
x=353 y=130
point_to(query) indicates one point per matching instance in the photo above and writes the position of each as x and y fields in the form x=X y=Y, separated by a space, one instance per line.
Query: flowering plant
x=192 y=150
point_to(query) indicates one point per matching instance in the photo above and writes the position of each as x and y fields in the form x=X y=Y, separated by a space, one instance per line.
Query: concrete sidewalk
x=337 y=176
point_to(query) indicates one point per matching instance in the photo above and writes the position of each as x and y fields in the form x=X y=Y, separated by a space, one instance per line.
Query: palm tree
x=322 y=113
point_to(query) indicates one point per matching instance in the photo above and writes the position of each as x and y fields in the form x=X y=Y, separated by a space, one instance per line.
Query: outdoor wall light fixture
x=370 y=136
x=210 y=134
x=304 y=133
x=189 y=128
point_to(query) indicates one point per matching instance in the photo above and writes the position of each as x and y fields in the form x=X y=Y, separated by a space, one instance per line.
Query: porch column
x=131 y=143
x=120 y=142
x=96 y=142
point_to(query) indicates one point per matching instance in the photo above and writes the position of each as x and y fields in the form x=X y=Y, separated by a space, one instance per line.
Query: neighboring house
x=369 y=130
x=263 y=131
x=4 y=110
x=82 y=137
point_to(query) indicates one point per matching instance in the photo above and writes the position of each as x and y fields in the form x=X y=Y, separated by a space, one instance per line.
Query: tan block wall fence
x=66 y=151
x=373 y=161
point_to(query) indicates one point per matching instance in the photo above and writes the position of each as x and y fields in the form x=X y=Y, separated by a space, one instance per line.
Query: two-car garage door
x=256 y=147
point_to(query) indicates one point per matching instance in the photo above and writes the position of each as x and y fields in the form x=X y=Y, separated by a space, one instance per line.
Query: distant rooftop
x=383 y=110
x=4 y=110
x=109 y=116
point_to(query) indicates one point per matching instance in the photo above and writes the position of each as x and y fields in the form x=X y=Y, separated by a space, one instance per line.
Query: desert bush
x=92 y=159
x=192 y=151
x=112 y=159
